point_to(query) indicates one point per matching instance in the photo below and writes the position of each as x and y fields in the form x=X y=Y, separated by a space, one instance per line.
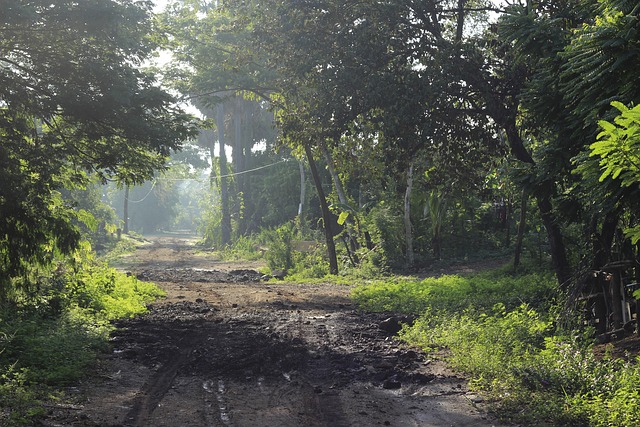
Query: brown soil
x=226 y=348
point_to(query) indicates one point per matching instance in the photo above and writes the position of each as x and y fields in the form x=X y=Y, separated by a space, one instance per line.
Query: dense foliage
x=429 y=111
x=73 y=101
x=528 y=362
x=76 y=110
x=53 y=340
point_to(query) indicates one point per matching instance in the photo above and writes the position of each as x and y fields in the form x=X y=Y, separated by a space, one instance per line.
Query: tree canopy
x=74 y=100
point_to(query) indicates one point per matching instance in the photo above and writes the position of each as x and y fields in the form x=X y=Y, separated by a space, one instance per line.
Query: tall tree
x=224 y=177
x=575 y=58
x=72 y=99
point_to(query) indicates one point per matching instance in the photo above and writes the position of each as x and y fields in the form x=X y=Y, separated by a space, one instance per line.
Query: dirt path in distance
x=226 y=348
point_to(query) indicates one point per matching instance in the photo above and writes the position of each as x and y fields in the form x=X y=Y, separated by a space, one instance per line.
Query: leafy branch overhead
x=618 y=150
x=74 y=100
x=618 y=146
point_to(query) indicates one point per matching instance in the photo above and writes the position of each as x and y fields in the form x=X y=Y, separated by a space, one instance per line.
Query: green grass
x=52 y=339
x=502 y=332
x=455 y=293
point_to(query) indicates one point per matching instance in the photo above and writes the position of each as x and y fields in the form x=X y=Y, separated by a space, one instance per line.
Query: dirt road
x=228 y=349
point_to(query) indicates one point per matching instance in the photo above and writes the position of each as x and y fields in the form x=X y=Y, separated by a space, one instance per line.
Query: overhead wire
x=155 y=181
x=223 y=176
x=146 y=195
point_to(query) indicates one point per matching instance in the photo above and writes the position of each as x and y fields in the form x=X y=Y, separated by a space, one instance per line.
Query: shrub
x=487 y=346
x=108 y=294
x=243 y=248
x=534 y=373
x=279 y=255
x=19 y=403
x=455 y=293
x=52 y=338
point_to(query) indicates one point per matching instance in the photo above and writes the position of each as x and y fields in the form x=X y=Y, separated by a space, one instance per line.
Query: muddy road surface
x=226 y=348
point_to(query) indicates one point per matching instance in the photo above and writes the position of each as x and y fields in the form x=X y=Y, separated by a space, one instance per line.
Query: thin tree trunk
x=302 y=189
x=436 y=206
x=505 y=116
x=326 y=215
x=507 y=223
x=126 y=209
x=238 y=164
x=408 y=232
x=460 y=20
x=558 y=251
x=556 y=241
x=334 y=175
x=602 y=241
x=353 y=244
x=521 y=228
x=224 y=189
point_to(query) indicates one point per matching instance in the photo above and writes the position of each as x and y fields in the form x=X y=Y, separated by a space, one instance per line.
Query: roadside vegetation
x=510 y=335
x=51 y=338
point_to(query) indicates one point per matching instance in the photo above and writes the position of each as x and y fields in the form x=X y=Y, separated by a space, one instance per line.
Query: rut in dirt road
x=279 y=366
x=226 y=348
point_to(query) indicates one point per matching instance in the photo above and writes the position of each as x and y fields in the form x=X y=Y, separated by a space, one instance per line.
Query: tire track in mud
x=228 y=350
x=279 y=364
x=159 y=384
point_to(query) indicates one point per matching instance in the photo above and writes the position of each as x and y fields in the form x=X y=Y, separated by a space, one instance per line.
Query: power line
x=223 y=176
x=146 y=195
x=252 y=170
x=155 y=181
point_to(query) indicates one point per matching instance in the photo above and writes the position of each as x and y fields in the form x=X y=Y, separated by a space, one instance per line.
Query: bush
x=105 y=293
x=514 y=353
x=455 y=293
x=279 y=255
x=52 y=338
x=52 y=351
x=19 y=402
x=614 y=397
x=246 y=248
x=487 y=346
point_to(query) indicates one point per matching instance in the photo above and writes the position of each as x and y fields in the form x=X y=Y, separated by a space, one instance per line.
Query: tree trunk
x=302 y=190
x=521 y=227
x=408 y=232
x=602 y=242
x=543 y=196
x=460 y=20
x=505 y=117
x=326 y=215
x=334 y=175
x=507 y=223
x=224 y=188
x=238 y=164
x=437 y=209
x=126 y=209
x=352 y=246
x=556 y=242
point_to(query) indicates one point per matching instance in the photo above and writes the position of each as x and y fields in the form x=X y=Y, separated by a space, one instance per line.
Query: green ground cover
x=506 y=334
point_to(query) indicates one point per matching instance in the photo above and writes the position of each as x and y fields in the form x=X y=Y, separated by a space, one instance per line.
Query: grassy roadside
x=53 y=340
x=502 y=331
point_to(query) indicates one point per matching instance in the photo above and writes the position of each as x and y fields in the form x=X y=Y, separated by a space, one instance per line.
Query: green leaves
x=618 y=153
x=73 y=99
x=618 y=146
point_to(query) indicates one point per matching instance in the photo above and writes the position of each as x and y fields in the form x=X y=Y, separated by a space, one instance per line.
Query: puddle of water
x=210 y=387
x=224 y=414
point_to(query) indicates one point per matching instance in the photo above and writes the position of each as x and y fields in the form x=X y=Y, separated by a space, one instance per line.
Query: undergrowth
x=454 y=293
x=502 y=332
x=52 y=339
